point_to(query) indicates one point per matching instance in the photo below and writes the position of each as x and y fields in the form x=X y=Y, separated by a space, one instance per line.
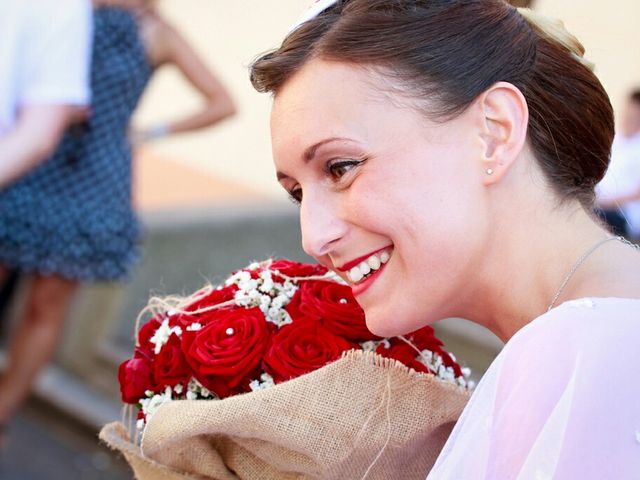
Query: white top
x=629 y=150
x=623 y=174
x=45 y=48
x=561 y=401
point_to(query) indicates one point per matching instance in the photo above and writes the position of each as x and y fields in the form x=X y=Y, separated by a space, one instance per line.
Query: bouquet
x=274 y=374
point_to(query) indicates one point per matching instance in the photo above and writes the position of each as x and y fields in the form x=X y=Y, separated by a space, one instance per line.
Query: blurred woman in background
x=70 y=220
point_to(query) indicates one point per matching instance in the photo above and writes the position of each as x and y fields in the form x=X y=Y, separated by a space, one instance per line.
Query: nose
x=320 y=224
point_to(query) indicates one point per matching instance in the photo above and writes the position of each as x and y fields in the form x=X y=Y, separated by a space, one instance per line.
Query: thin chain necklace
x=579 y=262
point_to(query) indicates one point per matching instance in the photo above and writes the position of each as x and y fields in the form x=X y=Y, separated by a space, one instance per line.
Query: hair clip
x=316 y=9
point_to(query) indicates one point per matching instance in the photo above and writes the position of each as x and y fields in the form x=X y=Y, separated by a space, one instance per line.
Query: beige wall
x=609 y=32
x=229 y=34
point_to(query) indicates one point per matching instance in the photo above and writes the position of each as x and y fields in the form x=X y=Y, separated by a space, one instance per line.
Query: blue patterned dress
x=72 y=216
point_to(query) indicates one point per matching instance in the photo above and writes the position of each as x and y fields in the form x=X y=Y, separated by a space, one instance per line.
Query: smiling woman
x=444 y=155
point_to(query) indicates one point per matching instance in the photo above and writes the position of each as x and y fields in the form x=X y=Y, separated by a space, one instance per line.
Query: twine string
x=385 y=396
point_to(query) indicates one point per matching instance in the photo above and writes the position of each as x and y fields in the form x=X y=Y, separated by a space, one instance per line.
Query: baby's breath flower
x=267 y=281
x=151 y=405
x=162 y=334
x=370 y=345
x=289 y=289
x=265 y=381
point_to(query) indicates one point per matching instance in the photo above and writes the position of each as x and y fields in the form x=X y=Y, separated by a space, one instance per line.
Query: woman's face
x=392 y=202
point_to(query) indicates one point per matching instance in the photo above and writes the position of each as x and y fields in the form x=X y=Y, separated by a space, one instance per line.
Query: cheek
x=437 y=231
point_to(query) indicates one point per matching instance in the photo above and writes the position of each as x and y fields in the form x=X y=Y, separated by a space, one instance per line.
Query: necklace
x=579 y=262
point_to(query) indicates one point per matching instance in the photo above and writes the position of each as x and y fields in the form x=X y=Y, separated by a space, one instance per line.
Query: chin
x=386 y=322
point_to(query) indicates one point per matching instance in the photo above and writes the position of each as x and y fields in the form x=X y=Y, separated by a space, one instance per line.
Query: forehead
x=327 y=99
x=318 y=91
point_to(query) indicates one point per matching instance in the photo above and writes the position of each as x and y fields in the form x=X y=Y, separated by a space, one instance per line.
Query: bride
x=444 y=154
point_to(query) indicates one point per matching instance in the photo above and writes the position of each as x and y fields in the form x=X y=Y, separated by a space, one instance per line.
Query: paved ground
x=44 y=445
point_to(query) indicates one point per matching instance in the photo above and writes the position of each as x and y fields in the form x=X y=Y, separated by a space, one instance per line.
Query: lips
x=363 y=285
x=363 y=267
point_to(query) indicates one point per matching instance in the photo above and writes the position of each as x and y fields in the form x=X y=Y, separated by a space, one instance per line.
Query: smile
x=367 y=267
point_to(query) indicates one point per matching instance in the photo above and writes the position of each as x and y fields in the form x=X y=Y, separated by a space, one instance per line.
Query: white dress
x=561 y=401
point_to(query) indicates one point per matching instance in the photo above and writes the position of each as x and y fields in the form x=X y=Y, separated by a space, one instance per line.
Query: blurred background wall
x=233 y=160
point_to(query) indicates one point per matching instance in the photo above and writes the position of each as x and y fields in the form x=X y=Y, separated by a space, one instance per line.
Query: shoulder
x=581 y=349
x=578 y=340
x=576 y=321
x=159 y=37
x=534 y=411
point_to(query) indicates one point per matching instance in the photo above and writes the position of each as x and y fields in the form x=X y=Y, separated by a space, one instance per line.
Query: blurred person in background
x=619 y=191
x=44 y=70
x=45 y=50
x=70 y=220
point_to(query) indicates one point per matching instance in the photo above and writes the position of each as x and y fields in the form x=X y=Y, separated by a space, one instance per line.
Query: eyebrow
x=310 y=152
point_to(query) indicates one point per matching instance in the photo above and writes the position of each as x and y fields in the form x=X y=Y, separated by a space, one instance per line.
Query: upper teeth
x=372 y=263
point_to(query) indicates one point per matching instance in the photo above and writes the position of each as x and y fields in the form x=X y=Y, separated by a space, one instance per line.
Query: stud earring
x=489 y=171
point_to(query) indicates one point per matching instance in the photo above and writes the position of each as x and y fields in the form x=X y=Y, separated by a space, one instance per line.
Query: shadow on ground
x=44 y=445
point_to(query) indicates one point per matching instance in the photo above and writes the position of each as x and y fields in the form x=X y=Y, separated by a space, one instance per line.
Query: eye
x=295 y=195
x=340 y=168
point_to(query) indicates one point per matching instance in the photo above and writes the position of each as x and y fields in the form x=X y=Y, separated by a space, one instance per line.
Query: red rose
x=203 y=301
x=226 y=353
x=293 y=307
x=136 y=377
x=295 y=269
x=170 y=367
x=336 y=308
x=425 y=339
x=399 y=350
x=214 y=297
x=448 y=361
x=302 y=347
x=144 y=337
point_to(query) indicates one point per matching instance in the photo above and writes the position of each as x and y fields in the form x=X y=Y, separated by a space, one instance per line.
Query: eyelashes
x=336 y=170
x=295 y=195
x=339 y=168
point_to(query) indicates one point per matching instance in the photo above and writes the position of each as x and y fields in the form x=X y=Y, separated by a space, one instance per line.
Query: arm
x=33 y=138
x=166 y=46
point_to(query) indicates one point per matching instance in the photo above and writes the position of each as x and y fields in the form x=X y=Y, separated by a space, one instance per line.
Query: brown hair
x=449 y=52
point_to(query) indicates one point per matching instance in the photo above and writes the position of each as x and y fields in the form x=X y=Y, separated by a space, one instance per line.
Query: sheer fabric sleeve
x=561 y=401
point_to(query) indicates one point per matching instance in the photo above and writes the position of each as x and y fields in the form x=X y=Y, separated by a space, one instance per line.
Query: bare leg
x=35 y=339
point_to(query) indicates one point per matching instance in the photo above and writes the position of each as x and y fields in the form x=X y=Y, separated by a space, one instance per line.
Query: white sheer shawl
x=561 y=401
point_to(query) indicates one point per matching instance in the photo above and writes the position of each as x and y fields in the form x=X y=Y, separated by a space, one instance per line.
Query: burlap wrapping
x=363 y=416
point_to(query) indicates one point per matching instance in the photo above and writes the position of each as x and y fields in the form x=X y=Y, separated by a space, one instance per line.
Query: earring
x=489 y=171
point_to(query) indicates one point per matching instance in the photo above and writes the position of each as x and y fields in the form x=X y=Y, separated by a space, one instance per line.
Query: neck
x=524 y=271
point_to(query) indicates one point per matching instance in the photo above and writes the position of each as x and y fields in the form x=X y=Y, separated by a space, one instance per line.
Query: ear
x=503 y=129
